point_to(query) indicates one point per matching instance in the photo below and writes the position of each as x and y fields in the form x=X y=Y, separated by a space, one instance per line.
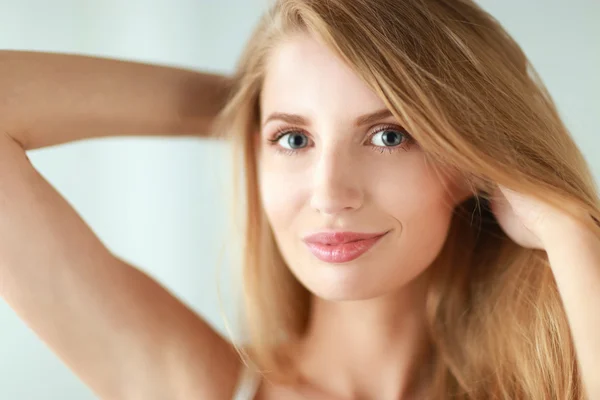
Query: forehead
x=303 y=76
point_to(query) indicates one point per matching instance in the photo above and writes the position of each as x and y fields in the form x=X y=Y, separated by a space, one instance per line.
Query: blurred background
x=163 y=204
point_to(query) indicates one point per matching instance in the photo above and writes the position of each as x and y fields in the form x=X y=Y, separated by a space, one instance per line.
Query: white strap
x=247 y=385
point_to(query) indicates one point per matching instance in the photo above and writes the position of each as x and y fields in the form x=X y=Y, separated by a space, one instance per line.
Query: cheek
x=419 y=199
x=281 y=191
x=413 y=191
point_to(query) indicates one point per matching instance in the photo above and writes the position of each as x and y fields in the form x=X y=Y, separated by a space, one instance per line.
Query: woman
x=418 y=217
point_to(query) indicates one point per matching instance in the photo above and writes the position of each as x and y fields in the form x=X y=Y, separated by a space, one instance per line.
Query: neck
x=368 y=348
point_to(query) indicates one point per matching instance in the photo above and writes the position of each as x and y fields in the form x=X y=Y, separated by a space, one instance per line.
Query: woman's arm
x=119 y=330
x=48 y=99
x=573 y=250
x=574 y=255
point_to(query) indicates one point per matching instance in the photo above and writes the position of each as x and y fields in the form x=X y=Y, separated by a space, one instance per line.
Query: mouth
x=341 y=247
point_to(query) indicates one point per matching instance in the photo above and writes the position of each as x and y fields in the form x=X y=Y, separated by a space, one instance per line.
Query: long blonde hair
x=467 y=93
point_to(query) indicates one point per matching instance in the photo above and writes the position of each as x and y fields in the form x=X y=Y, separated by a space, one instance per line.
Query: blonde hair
x=467 y=93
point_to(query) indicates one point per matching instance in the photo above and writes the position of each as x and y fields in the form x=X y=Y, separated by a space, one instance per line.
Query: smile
x=341 y=247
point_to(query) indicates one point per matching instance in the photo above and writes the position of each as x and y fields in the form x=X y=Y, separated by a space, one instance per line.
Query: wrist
x=565 y=233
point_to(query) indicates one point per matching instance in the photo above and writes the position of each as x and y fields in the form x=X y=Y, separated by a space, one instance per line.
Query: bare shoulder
x=119 y=330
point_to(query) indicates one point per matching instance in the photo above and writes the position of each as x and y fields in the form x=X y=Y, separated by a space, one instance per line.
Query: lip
x=341 y=247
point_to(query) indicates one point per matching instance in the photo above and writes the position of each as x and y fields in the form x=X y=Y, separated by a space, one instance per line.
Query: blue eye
x=388 y=138
x=293 y=140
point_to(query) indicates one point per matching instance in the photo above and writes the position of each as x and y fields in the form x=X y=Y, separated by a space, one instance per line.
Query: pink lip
x=341 y=247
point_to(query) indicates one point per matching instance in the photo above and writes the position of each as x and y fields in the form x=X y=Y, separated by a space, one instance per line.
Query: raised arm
x=119 y=330
x=49 y=98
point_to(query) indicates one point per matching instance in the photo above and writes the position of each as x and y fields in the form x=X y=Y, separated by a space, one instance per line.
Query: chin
x=347 y=282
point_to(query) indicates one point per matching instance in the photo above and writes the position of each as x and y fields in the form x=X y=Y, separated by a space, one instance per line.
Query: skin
x=70 y=290
x=55 y=273
x=365 y=339
x=574 y=256
x=366 y=330
x=51 y=98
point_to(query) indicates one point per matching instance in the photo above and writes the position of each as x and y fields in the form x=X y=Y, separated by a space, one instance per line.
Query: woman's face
x=355 y=208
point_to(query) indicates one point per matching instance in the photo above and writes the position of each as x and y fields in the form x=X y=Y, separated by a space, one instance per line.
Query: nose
x=336 y=183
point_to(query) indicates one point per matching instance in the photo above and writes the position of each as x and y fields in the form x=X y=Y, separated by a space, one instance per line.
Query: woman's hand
x=526 y=220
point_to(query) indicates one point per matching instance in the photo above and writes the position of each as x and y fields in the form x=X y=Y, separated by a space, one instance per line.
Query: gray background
x=163 y=204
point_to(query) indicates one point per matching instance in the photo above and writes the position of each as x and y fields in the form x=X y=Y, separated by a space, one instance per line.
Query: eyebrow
x=296 y=119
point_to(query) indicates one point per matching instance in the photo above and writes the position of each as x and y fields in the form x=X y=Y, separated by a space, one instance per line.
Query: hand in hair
x=573 y=256
x=527 y=220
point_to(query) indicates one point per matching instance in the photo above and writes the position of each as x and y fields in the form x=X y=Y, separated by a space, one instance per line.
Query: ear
x=471 y=186
x=482 y=187
x=463 y=188
x=462 y=192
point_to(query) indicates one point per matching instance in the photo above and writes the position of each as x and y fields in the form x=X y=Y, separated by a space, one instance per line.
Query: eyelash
x=408 y=139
